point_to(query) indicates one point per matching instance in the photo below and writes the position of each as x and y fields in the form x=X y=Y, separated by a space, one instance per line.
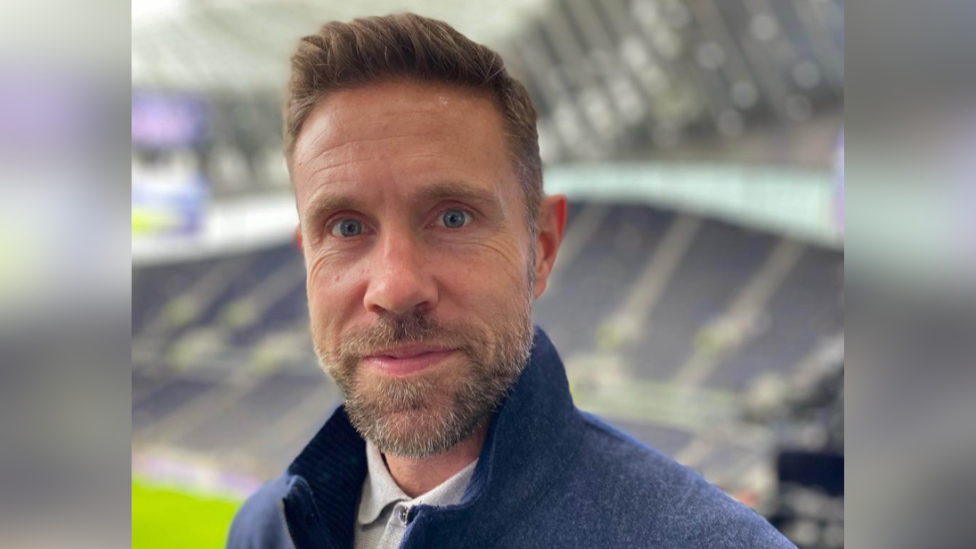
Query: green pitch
x=163 y=517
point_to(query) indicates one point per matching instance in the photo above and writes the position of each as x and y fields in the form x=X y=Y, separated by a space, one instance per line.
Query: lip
x=408 y=359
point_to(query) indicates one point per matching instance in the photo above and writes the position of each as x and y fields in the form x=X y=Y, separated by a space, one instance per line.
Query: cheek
x=484 y=278
x=332 y=292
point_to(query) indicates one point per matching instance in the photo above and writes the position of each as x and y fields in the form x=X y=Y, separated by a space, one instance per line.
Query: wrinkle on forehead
x=406 y=120
x=328 y=125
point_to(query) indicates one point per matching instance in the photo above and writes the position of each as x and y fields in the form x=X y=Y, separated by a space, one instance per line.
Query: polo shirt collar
x=380 y=490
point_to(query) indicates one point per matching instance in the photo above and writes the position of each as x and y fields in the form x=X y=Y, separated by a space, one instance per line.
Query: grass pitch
x=165 y=517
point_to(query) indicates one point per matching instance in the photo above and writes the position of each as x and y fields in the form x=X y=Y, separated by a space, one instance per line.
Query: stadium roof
x=243 y=44
x=607 y=76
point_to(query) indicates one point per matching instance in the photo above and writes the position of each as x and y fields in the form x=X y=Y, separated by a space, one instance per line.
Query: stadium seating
x=223 y=366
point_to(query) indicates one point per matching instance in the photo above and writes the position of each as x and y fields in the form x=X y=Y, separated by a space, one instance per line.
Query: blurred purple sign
x=169 y=188
x=161 y=120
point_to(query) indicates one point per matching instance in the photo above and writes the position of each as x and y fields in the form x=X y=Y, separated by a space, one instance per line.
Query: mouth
x=408 y=359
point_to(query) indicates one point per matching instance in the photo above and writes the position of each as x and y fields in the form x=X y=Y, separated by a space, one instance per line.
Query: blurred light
x=806 y=74
x=805 y=533
x=634 y=52
x=148 y=10
x=653 y=79
x=764 y=27
x=646 y=12
x=744 y=94
x=628 y=98
x=549 y=146
x=667 y=43
x=600 y=114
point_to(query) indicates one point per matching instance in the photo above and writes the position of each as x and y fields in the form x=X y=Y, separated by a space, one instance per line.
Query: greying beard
x=409 y=417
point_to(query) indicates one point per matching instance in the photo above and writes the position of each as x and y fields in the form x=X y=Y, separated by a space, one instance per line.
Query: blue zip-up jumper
x=549 y=476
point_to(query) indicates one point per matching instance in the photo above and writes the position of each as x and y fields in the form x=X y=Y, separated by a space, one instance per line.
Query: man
x=415 y=163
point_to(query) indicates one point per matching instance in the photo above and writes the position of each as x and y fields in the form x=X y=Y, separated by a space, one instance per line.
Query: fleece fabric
x=549 y=475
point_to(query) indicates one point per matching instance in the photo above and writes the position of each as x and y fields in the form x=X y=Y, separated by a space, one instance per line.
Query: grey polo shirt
x=383 y=507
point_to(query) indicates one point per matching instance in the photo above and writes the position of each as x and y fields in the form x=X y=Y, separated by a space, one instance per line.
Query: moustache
x=415 y=328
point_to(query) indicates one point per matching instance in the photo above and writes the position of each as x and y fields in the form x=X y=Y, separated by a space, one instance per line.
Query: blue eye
x=346 y=228
x=454 y=219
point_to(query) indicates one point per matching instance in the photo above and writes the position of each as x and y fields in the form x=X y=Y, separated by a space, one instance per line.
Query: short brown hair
x=364 y=51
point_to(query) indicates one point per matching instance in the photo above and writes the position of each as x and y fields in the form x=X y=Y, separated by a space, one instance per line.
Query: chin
x=416 y=434
x=414 y=417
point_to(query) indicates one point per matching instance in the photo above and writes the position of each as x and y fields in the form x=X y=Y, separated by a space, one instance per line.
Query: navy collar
x=531 y=439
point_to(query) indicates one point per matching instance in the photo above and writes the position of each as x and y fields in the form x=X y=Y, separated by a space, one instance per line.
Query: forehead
x=400 y=130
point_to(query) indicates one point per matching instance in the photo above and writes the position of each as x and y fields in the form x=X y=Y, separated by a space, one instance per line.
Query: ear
x=298 y=238
x=550 y=224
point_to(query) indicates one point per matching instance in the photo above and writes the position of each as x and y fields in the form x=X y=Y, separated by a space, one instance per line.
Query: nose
x=400 y=281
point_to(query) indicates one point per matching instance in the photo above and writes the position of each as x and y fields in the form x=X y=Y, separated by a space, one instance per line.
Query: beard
x=429 y=412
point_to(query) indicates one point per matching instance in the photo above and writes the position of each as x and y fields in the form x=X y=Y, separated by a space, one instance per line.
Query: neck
x=417 y=476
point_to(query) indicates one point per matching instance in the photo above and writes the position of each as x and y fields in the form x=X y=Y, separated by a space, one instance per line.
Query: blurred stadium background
x=697 y=300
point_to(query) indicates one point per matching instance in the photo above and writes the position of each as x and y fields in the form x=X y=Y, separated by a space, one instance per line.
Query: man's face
x=419 y=259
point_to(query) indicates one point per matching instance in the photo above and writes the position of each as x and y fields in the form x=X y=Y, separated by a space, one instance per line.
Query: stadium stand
x=223 y=367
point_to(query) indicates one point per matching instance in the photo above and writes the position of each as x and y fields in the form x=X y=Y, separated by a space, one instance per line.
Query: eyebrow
x=458 y=191
x=324 y=206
